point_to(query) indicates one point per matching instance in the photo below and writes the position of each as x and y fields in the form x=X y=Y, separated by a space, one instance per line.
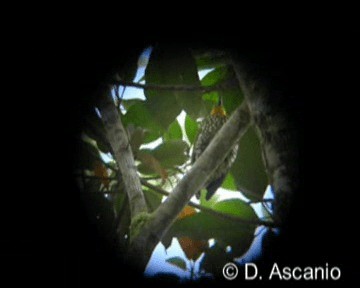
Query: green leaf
x=236 y=207
x=208 y=203
x=229 y=183
x=248 y=169
x=232 y=96
x=191 y=129
x=137 y=136
x=210 y=59
x=232 y=99
x=211 y=97
x=153 y=200
x=139 y=115
x=150 y=164
x=216 y=76
x=174 y=132
x=213 y=78
x=127 y=103
x=178 y=262
x=170 y=65
x=164 y=109
x=171 y=153
x=210 y=100
x=204 y=226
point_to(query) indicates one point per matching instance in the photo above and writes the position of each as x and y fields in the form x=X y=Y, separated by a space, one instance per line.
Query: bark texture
x=278 y=137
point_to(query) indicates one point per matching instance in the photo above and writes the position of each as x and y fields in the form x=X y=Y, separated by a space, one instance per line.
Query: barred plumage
x=209 y=127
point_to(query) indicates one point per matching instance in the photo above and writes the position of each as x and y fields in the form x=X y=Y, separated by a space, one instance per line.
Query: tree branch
x=192 y=204
x=118 y=139
x=193 y=181
x=203 y=89
x=209 y=210
x=277 y=137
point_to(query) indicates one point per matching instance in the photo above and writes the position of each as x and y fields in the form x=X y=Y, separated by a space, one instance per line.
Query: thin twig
x=208 y=210
x=261 y=201
x=203 y=208
x=265 y=206
x=203 y=89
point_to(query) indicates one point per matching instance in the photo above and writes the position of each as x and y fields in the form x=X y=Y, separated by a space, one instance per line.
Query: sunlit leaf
x=229 y=183
x=212 y=97
x=191 y=128
x=208 y=203
x=236 y=207
x=216 y=76
x=174 y=132
x=178 y=262
x=248 y=169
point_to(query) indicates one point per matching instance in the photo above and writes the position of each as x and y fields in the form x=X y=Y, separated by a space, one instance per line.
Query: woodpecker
x=208 y=129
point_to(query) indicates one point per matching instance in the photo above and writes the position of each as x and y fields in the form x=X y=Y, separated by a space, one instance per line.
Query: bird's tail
x=211 y=188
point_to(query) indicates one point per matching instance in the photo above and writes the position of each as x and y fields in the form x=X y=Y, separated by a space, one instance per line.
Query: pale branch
x=118 y=139
x=202 y=89
x=209 y=210
x=248 y=192
x=162 y=219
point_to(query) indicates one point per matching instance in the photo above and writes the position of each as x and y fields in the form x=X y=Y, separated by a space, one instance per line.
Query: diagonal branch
x=193 y=181
x=118 y=139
